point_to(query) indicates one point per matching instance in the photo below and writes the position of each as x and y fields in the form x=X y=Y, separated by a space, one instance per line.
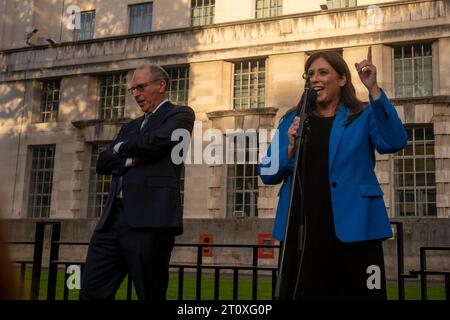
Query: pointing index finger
x=369 y=54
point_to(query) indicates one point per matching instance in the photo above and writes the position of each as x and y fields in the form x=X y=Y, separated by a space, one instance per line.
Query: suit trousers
x=117 y=249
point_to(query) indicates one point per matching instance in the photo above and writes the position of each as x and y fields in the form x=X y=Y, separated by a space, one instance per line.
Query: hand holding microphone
x=292 y=132
x=311 y=96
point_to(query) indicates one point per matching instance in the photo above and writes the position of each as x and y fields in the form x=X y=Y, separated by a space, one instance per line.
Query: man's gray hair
x=157 y=71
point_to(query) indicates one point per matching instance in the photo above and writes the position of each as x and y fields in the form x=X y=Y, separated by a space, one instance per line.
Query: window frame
x=130 y=20
x=48 y=115
x=103 y=107
x=204 y=19
x=414 y=83
x=342 y=4
x=94 y=208
x=46 y=172
x=183 y=74
x=260 y=100
x=270 y=11
x=231 y=188
x=77 y=32
x=409 y=155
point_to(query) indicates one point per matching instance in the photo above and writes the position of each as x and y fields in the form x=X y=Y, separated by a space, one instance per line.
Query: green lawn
x=226 y=289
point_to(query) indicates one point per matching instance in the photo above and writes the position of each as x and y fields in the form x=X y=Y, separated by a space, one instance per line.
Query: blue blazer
x=359 y=211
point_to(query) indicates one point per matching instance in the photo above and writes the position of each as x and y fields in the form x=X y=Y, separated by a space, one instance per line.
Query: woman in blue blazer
x=345 y=215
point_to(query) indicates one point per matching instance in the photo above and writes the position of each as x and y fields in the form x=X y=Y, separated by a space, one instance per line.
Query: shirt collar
x=156 y=109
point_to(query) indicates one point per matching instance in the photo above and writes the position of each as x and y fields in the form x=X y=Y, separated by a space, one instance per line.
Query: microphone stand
x=295 y=224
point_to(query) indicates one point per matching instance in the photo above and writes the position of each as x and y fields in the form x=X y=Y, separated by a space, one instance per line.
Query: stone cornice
x=269 y=111
x=421 y=100
x=225 y=24
x=402 y=21
x=93 y=122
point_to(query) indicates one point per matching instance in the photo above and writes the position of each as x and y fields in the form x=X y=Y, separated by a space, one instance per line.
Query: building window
x=269 y=8
x=202 y=12
x=50 y=100
x=249 y=84
x=86 y=30
x=141 y=18
x=178 y=87
x=413 y=76
x=113 y=89
x=414 y=170
x=98 y=184
x=337 y=4
x=242 y=177
x=41 y=181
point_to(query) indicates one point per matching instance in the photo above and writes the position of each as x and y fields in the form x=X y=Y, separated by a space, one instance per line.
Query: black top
x=318 y=210
x=331 y=269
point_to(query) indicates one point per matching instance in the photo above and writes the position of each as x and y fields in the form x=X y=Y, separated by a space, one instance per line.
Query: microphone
x=312 y=97
x=309 y=93
x=304 y=107
x=312 y=94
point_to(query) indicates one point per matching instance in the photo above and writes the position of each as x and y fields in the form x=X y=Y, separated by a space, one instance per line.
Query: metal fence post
x=198 y=287
x=37 y=260
x=180 y=283
x=255 y=273
x=423 y=276
x=400 y=261
x=53 y=265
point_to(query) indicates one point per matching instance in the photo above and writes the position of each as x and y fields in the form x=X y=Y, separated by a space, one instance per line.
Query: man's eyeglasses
x=141 y=87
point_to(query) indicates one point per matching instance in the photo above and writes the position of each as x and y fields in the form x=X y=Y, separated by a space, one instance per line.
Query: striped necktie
x=143 y=124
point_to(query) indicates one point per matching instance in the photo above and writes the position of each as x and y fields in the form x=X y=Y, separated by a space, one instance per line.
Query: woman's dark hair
x=348 y=93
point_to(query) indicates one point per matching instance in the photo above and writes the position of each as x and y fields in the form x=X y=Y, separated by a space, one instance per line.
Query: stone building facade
x=237 y=63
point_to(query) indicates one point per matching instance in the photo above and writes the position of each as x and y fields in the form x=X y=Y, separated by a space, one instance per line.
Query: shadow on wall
x=20 y=105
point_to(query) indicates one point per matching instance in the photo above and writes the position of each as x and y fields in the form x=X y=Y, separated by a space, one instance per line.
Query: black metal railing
x=424 y=272
x=22 y=264
x=398 y=236
x=252 y=271
x=36 y=262
x=199 y=266
x=55 y=263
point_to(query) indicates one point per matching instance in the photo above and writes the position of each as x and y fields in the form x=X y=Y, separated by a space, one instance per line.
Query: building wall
x=442 y=63
x=233 y=10
x=284 y=75
x=171 y=15
x=210 y=51
x=17 y=17
x=2 y=22
x=112 y=17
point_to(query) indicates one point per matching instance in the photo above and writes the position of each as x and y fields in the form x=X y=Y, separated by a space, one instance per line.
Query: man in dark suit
x=142 y=214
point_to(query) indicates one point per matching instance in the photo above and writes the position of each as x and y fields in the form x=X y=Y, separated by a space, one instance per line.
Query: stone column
x=442 y=160
x=209 y=90
x=284 y=80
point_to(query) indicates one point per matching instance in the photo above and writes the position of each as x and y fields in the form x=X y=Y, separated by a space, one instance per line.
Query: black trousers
x=334 y=271
x=344 y=271
x=118 y=249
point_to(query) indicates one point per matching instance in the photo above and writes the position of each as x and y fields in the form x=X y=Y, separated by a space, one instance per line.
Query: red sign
x=266 y=239
x=206 y=238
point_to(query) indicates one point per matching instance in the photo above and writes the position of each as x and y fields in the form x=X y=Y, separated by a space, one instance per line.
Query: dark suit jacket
x=150 y=190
